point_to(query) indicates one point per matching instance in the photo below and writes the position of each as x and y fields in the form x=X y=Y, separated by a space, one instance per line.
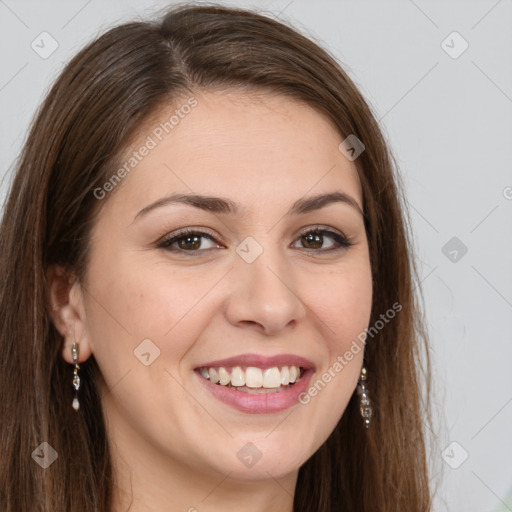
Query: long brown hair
x=95 y=107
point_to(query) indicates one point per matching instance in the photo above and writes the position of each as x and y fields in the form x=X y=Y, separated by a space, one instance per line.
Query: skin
x=175 y=445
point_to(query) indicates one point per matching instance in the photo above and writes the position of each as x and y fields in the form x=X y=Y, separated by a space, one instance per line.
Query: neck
x=161 y=487
x=146 y=479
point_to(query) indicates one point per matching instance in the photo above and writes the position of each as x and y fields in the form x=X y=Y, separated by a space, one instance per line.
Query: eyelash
x=341 y=240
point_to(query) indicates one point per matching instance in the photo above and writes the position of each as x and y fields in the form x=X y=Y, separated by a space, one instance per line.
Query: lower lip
x=262 y=403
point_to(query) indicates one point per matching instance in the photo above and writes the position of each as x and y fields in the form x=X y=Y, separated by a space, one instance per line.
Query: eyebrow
x=222 y=205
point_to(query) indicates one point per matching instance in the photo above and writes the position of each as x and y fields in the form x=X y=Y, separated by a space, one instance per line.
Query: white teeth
x=224 y=376
x=253 y=378
x=271 y=378
x=261 y=391
x=214 y=375
x=237 y=377
x=285 y=375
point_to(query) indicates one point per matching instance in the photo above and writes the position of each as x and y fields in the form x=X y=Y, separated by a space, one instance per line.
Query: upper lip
x=261 y=361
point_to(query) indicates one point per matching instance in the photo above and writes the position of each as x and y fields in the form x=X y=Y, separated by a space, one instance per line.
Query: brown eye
x=187 y=241
x=313 y=239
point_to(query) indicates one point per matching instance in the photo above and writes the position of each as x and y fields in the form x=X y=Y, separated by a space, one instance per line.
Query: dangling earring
x=365 y=408
x=76 y=378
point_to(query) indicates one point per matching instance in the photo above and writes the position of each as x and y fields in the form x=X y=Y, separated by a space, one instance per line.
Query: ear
x=67 y=311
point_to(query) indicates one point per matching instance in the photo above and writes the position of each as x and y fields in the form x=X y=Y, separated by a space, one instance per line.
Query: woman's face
x=251 y=294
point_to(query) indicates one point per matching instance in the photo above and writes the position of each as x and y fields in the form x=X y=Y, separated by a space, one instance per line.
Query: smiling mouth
x=252 y=379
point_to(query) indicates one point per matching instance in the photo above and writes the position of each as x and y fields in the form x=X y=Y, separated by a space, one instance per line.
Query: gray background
x=448 y=119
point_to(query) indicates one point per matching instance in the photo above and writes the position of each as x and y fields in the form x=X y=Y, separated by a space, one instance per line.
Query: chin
x=266 y=458
x=262 y=470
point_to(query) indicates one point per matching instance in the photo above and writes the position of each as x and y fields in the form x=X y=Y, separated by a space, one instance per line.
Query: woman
x=207 y=297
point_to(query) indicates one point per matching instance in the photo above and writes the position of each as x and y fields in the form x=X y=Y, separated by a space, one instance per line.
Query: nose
x=263 y=294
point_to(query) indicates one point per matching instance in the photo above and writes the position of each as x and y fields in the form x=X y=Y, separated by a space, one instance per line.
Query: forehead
x=255 y=148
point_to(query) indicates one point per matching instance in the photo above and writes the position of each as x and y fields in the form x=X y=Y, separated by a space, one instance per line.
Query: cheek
x=342 y=300
x=135 y=300
x=342 y=303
